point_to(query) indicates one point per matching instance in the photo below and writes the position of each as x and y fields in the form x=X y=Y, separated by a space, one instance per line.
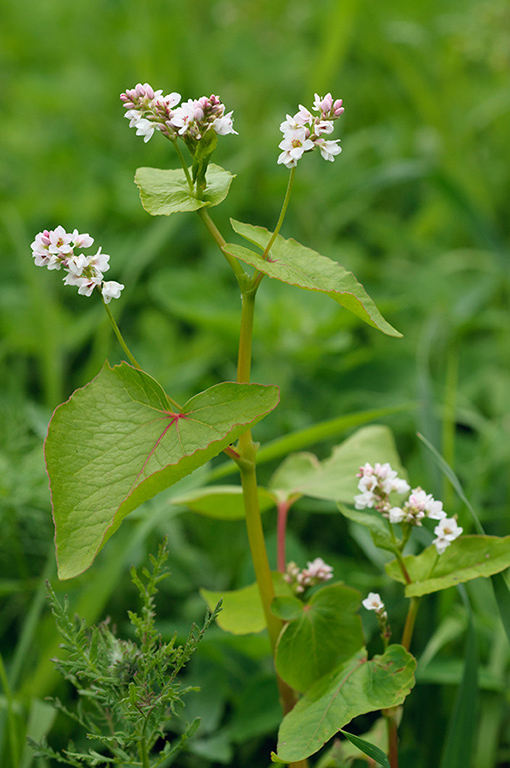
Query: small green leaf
x=327 y=633
x=467 y=558
x=369 y=749
x=203 y=151
x=242 y=612
x=356 y=687
x=163 y=192
x=118 y=442
x=335 y=478
x=223 y=502
x=293 y=263
x=376 y=524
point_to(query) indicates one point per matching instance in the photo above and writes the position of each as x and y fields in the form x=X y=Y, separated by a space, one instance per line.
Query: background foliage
x=416 y=207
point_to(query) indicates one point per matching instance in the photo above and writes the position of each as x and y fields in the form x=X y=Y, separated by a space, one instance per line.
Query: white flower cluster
x=56 y=249
x=148 y=111
x=304 y=132
x=379 y=481
x=315 y=572
x=376 y=483
x=373 y=602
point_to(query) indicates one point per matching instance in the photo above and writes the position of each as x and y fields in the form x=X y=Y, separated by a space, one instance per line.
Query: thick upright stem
x=410 y=620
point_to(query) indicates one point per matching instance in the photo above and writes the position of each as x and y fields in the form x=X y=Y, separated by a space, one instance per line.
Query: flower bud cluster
x=304 y=131
x=379 y=481
x=57 y=249
x=148 y=111
x=316 y=571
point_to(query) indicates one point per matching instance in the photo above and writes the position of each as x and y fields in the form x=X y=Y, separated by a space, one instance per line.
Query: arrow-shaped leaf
x=467 y=558
x=357 y=686
x=163 y=192
x=293 y=263
x=118 y=442
x=334 y=479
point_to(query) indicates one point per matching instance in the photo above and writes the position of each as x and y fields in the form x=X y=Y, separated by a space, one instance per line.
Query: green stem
x=124 y=346
x=410 y=620
x=183 y=163
x=390 y=715
x=221 y=242
x=282 y=213
x=119 y=336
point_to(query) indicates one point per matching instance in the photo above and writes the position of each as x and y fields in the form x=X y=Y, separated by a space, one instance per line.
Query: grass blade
x=462 y=725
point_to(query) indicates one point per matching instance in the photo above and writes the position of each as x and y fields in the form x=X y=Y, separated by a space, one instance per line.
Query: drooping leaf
x=376 y=524
x=223 y=502
x=327 y=632
x=335 y=478
x=369 y=749
x=242 y=612
x=357 y=686
x=466 y=558
x=293 y=263
x=118 y=442
x=163 y=192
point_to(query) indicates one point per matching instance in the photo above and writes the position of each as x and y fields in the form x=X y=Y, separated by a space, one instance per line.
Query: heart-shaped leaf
x=163 y=192
x=241 y=610
x=118 y=442
x=327 y=632
x=293 y=263
x=357 y=686
x=466 y=558
x=335 y=478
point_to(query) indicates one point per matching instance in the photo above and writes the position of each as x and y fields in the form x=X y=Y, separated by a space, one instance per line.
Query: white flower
x=446 y=531
x=145 y=128
x=396 y=515
x=223 y=125
x=373 y=602
x=111 y=290
x=100 y=261
x=76 y=264
x=81 y=241
x=294 y=146
x=364 y=500
x=329 y=149
x=423 y=504
x=60 y=241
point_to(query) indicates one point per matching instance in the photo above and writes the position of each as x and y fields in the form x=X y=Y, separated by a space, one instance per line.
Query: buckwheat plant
x=121 y=439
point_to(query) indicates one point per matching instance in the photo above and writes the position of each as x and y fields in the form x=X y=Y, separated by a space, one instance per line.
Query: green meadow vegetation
x=416 y=206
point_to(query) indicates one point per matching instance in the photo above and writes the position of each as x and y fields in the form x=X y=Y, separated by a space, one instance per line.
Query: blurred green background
x=416 y=206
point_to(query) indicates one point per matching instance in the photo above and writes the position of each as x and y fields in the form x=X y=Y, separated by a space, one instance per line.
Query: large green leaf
x=163 y=192
x=241 y=610
x=467 y=558
x=118 y=441
x=224 y=502
x=327 y=632
x=335 y=478
x=357 y=686
x=293 y=263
